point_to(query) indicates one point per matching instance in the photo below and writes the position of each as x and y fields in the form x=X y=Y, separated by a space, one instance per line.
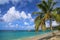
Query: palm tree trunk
x=52 y=28
x=51 y=24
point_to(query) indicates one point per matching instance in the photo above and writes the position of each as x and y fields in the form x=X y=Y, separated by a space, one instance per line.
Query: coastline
x=37 y=37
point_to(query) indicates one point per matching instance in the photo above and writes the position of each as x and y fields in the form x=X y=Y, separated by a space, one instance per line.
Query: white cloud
x=12 y=15
x=26 y=23
x=23 y=15
x=26 y=16
x=29 y=15
x=31 y=20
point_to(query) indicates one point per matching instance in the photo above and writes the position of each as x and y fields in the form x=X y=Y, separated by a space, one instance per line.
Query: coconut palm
x=39 y=21
x=48 y=12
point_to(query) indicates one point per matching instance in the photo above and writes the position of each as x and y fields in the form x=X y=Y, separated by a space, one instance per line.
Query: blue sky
x=16 y=14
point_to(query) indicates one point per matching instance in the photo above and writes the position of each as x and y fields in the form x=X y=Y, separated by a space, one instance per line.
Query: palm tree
x=48 y=12
x=39 y=21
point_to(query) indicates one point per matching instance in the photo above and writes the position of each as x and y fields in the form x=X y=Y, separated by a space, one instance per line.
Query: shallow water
x=12 y=35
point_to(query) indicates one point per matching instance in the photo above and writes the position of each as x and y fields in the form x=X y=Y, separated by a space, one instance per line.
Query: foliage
x=48 y=12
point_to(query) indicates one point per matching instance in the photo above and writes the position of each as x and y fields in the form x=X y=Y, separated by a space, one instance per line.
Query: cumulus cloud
x=29 y=15
x=23 y=15
x=12 y=15
x=26 y=16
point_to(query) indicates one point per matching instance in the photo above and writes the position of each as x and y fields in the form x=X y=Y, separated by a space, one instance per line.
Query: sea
x=15 y=35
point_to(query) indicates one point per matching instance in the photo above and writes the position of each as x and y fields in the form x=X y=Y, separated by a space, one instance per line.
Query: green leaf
x=52 y=6
x=45 y=4
x=42 y=7
x=37 y=13
x=37 y=24
x=56 y=9
x=37 y=19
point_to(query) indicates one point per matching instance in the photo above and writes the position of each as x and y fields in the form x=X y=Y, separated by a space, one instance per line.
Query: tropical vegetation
x=48 y=12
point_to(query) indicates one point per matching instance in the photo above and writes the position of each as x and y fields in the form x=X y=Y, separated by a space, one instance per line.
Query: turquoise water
x=15 y=35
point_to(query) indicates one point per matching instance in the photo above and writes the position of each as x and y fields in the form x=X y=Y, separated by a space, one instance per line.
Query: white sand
x=42 y=36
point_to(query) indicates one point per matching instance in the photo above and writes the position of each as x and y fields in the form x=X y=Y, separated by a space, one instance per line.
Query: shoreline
x=37 y=37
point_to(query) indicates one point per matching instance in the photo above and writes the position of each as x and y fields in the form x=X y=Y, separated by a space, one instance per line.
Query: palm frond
x=49 y=3
x=37 y=13
x=37 y=24
x=42 y=7
x=37 y=19
x=40 y=23
x=54 y=3
x=57 y=18
x=52 y=6
x=45 y=4
x=48 y=12
x=54 y=13
x=56 y=9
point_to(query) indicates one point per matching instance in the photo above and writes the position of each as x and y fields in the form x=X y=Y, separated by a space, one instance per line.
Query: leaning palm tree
x=48 y=12
x=39 y=21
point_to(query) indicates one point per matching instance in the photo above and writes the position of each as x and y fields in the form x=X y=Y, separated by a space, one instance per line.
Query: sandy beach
x=46 y=36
